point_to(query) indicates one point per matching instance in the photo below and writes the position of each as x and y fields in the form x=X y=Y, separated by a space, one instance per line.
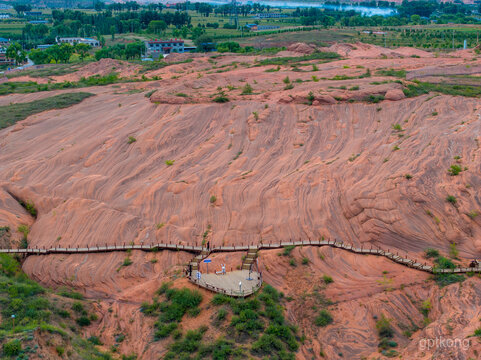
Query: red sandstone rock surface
x=279 y=169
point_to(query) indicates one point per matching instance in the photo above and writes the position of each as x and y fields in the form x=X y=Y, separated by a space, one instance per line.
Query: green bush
x=221 y=98
x=324 y=318
x=288 y=249
x=78 y=307
x=83 y=321
x=221 y=314
x=327 y=279
x=431 y=253
x=220 y=299
x=12 y=348
x=451 y=199
x=384 y=328
x=71 y=294
x=247 y=89
x=60 y=350
x=30 y=207
x=454 y=170
x=95 y=340
x=127 y=262
x=164 y=330
x=392 y=72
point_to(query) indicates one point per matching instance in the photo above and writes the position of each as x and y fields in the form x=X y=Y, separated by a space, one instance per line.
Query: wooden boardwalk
x=412 y=263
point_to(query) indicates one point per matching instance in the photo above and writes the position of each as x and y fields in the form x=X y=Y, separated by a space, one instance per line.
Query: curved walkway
x=261 y=246
x=240 y=283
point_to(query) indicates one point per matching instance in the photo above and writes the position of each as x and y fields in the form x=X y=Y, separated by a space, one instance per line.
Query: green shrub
x=78 y=307
x=374 y=99
x=23 y=229
x=164 y=330
x=131 y=140
x=384 y=328
x=288 y=249
x=221 y=314
x=12 y=348
x=451 y=199
x=213 y=199
x=71 y=294
x=444 y=263
x=448 y=279
x=431 y=253
x=324 y=318
x=221 y=98
x=247 y=89
x=397 y=127
x=30 y=207
x=454 y=170
x=63 y=313
x=426 y=307
x=127 y=262
x=453 y=251
x=95 y=340
x=169 y=162
x=220 y=299
x=247 y=322
x=60 y=350
x=477 y=332
x=327 y=279
x=292 y=262
x=267 y=344
x=83 y=321
x=305 y=261
x=392 y=72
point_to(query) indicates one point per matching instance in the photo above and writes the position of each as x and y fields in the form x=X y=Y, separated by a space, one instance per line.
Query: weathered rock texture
x=278 y=168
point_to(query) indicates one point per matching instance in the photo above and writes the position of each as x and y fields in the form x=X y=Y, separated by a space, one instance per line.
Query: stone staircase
x=250 y=258
x=198 y=259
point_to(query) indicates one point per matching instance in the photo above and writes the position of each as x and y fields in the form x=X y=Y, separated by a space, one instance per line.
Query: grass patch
x=10 y=114
x=421 y=88
x=172 y=309
x=392 y=72
x=257 y=329
x=324 y=318
x=297 y=59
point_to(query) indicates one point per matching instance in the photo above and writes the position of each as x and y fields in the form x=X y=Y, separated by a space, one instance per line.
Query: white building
x=155 y=48
x=77 y=40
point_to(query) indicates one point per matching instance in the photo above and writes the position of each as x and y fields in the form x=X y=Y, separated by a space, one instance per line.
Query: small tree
x=247 y=89
x=16 y=53
x=82 y=49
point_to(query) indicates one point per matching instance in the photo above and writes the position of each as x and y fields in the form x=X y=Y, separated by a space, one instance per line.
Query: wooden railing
x=261 y=246
x=228 y=292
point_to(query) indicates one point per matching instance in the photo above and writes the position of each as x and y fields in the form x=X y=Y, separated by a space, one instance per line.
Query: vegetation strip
x=254 y=326
x=10 y=114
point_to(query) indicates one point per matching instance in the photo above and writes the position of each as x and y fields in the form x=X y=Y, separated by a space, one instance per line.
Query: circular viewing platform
x=240 y=283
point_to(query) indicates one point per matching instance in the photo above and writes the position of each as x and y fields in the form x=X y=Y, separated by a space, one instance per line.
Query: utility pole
x=233 y=14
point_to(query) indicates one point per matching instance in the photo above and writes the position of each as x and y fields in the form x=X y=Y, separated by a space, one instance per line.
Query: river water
x=363 y=10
